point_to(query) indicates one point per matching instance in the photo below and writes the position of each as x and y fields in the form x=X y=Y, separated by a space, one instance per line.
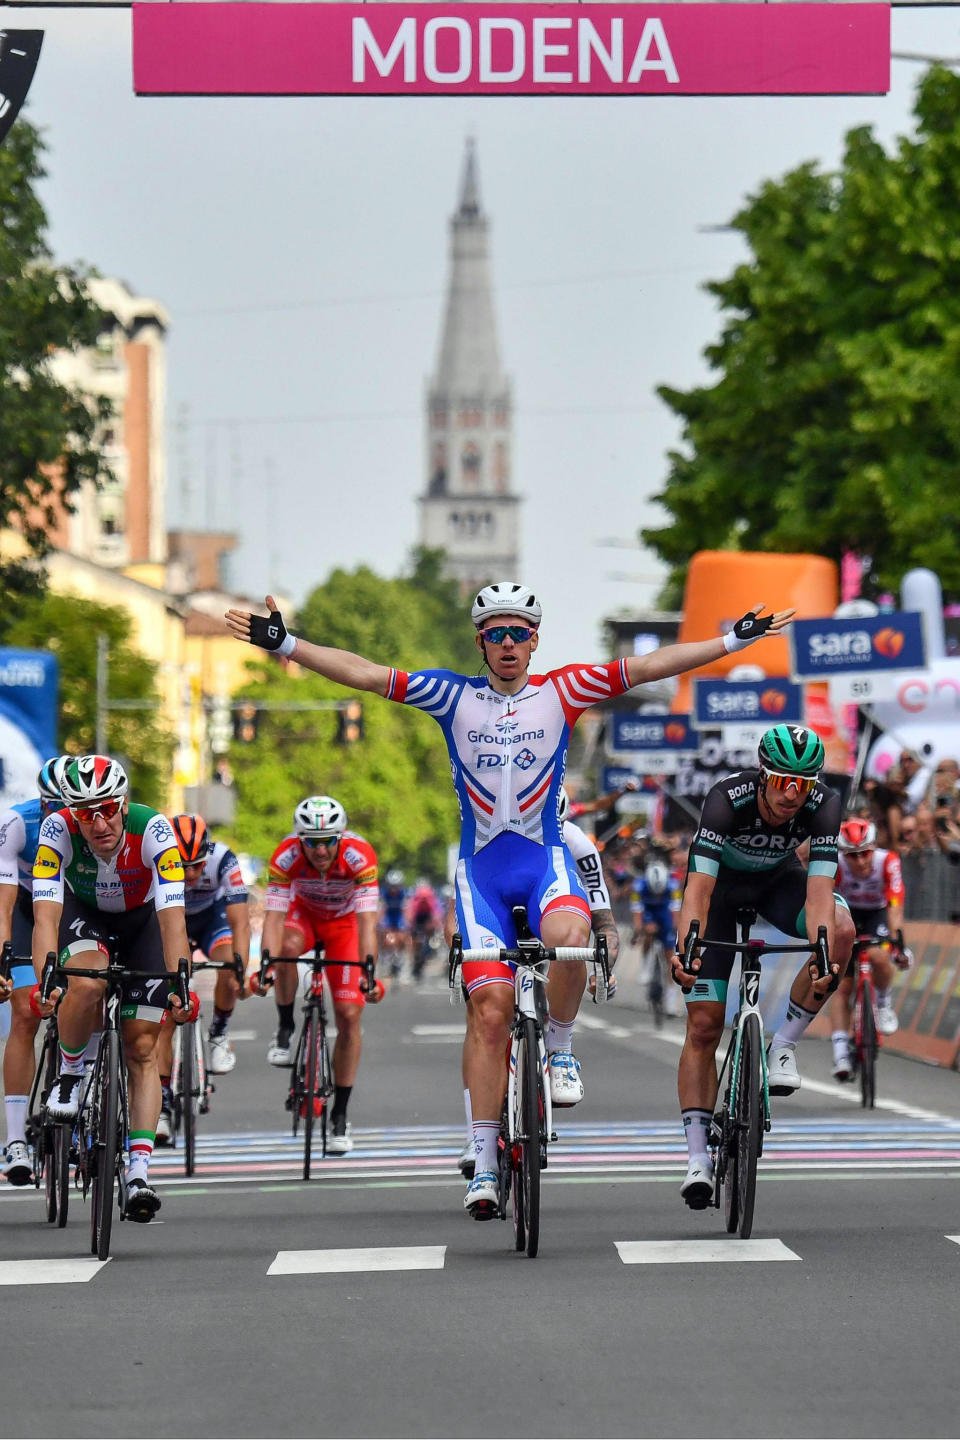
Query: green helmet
x=791 y=750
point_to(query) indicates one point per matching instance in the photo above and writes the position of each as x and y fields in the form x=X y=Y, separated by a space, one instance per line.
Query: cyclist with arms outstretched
x=507 y=735
x=871 y=882
x=106 y=868
x=744 y=854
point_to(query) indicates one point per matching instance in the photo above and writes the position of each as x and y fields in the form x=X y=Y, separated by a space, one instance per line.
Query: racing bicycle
x=526 y=1124
x=190 y=1083
x=866 y=1039
x=742 y=1117
x=312 y=1083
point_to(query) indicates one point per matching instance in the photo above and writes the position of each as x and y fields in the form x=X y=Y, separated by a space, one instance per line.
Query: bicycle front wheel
x=867 y=1049
x=59 y=1138
x=105 y=1127
x=311 y=1040
x=530 y=1105
x=748 y=1122
x=188 y=1083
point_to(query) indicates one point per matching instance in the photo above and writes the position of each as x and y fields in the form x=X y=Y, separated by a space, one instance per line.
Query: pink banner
x=510 y=49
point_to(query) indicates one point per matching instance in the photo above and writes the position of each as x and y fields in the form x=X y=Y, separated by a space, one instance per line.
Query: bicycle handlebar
x=235 y=966
x=537 y=954
x=817 y=949
x=317 y=961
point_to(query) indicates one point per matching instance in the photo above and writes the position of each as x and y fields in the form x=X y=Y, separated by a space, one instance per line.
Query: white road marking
x=700 y=1252
x=339 y=1262
x=243 y=1035
x=849 y=1093
x=434 y=1031
x=48 y=1272
x=954 y=1238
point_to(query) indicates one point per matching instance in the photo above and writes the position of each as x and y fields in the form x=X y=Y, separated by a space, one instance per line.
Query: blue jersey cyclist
x=19 y=831
x=507 y=734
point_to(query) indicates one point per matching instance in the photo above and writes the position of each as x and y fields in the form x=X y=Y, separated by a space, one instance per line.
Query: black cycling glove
x=271 y=634
x=748 y=628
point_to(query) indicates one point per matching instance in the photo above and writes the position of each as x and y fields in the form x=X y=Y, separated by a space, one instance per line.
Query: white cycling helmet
x=394 y=878
x=50 y=777
x=90 y=779
x=506 y=597
x=563 y=806
x=320 y=815
x=657 y=877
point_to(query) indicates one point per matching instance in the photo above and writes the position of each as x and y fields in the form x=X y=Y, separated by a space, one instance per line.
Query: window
x=470 y=467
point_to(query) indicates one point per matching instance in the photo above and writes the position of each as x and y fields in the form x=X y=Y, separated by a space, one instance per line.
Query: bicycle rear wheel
x=867 y=1048
x=310 y=1041
x=748 y=1122
x=530 y=1107
x=105 y=1127
x=324 y=1082
x=188 y=1080
x=58 y=1173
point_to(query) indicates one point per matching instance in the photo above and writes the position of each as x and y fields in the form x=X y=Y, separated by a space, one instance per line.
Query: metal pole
x=103 y=681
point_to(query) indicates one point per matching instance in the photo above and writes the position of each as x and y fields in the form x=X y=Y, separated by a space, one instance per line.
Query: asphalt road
x=839 y=1318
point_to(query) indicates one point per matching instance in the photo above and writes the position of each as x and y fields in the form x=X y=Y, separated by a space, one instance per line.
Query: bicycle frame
x=749 y=1005
x=530 y=1003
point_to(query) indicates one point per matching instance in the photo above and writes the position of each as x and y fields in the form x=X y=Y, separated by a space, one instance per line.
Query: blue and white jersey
x=508 y=752
x=19 y=831
x=220 y=879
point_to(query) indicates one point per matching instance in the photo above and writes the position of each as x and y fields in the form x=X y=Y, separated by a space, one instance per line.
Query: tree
x=395 y=780
x=69 y=627
x=48 y=433
x=834 y=423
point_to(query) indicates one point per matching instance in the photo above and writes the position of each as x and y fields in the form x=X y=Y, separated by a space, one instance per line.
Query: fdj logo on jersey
x=525 y=759
x=489 y=760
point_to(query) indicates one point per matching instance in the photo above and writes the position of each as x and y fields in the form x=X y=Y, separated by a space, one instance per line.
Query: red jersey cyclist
x=871 y=882
x=322 y=888
x=507 y=735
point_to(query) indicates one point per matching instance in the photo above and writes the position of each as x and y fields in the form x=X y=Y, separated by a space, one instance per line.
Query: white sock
x=141 y=1150
x=560 y=1036
x=797 y=1020
x=16 y=1108
x=696 y=1123
x=883 y=997
x=71 y=1064
x=468 y=1111
x=485 y=1136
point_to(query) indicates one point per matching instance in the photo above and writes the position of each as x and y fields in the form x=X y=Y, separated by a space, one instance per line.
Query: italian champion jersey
x=508 y=752
x=349 y=886
x=145 y=870
x=19 y=833
x=734 y=836
x=220 y=879
x=881 y=886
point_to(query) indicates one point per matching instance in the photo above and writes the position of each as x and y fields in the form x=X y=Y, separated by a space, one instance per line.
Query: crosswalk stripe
x=49 y=1271
x=701 y=1252
x=339 y=1262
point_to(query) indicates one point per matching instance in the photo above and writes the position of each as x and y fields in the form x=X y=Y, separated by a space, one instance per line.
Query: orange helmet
x=193 y=838
x=857 y=837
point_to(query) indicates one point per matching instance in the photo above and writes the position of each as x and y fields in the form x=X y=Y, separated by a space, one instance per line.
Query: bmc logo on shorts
x=525 y=759
x=170 y=867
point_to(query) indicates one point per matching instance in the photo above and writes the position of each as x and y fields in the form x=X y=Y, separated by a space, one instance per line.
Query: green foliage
x=47 y=431
x=395 y=782
x=68 y=627
x=834 y=423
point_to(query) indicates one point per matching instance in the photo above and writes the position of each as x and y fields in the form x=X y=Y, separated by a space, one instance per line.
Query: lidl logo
x=773 y=702
x=889 y=642
x=170 y=867
x=46 y=864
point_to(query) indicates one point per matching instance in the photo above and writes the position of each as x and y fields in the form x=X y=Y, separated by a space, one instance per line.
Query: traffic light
x=246 y=719
x=349 y=722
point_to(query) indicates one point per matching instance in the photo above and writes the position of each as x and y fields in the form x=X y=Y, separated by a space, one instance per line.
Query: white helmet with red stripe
x=89 y=779
x=857 y=837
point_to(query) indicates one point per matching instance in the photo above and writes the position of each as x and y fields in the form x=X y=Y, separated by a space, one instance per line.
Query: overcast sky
x=300 y=246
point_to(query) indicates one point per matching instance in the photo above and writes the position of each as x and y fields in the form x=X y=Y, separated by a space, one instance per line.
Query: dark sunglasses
x=498 y=633
x=86 y=814
x=315 y=842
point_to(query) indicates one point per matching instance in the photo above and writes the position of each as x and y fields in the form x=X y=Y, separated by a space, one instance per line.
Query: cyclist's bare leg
x=287 y=977
x=80 y=1009
x=697 y=1072
x=882 y=968
x=489 y=1013
x=567 y=981
x=841 y=1005
x=140 y=1039
x=19 y=1059
x=165 y=1052
x=225 y=992
x=349 y=1042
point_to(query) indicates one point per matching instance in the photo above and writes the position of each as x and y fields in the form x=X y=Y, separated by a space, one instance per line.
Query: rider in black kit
x=744 y=853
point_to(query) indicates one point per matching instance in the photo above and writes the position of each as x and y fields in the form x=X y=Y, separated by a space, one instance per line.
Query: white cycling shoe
x=697 y=1188
x=782 y=1069
x=164 y=1126
x=482 y=1200
x=887 y=1022
x=281 y=1051
x=222 y=1058
x=566 y=1087
x=341 y=1141
x=467 y=1161
x=63 y=1102
x=17 y=1168
x=842 y=1063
